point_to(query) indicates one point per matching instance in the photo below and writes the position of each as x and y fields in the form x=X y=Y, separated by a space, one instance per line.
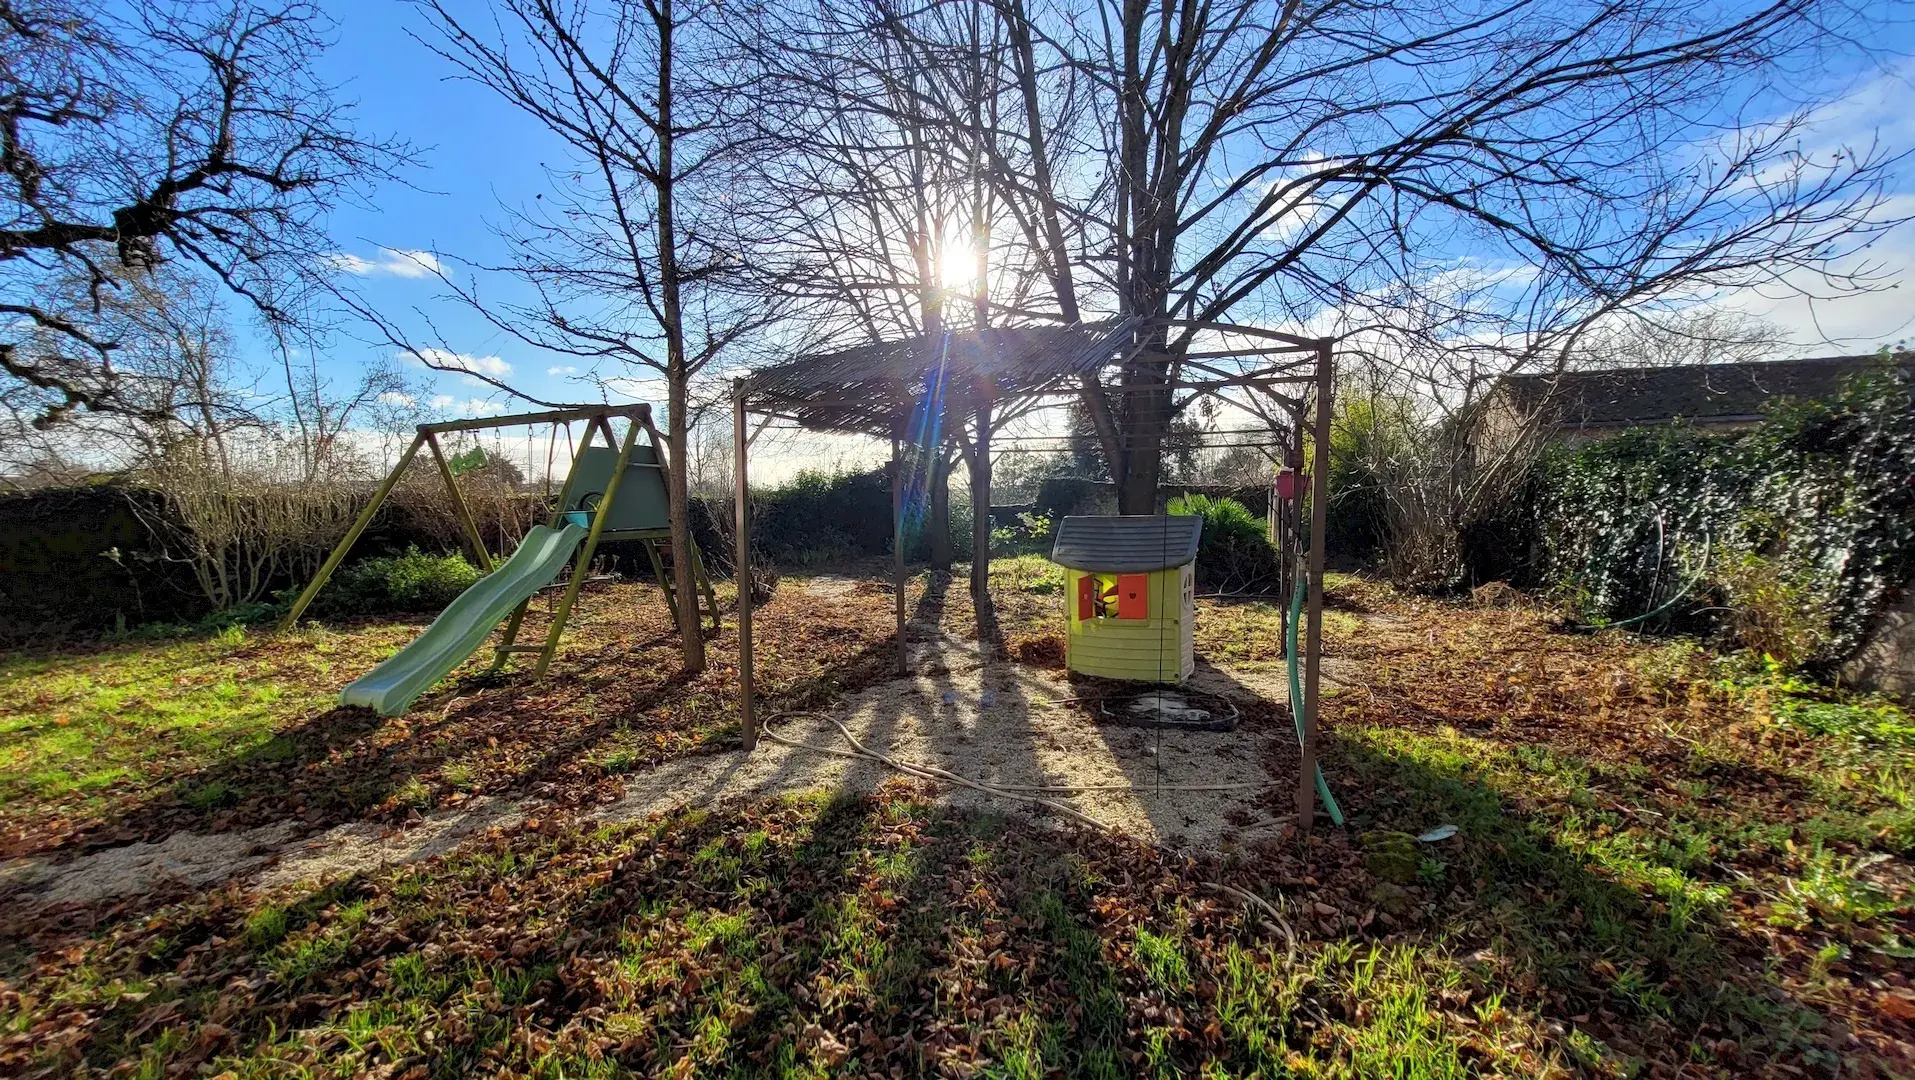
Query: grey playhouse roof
x=1624 y=397
x=1127 y=545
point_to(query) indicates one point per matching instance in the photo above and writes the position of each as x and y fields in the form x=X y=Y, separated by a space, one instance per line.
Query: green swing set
x=617 y=491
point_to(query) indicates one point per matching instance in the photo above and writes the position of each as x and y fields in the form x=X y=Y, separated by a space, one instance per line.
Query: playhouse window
x=1113 y=596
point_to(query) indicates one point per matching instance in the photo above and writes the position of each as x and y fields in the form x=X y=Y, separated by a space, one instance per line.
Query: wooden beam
x=741 y=564
x=550 y=416
x=1313 y=617
x=1296 y=343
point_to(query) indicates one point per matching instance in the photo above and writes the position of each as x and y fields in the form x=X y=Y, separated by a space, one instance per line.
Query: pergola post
x=1313 y=616
x=897 y=543
x=741 y=563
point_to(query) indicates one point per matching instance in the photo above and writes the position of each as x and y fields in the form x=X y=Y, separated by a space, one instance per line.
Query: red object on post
x=1133 y=596
x=1086 y=597
x=1289 y=484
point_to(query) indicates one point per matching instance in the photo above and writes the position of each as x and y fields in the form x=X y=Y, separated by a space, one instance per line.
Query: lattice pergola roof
x=874 y=389
x=871 y=389
x=866 y=388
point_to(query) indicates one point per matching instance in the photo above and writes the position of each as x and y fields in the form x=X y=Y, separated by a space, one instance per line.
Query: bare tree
x=174 y=372
x=1342 y=164
x=627 y=261
x=873 y=208
x=141 y=133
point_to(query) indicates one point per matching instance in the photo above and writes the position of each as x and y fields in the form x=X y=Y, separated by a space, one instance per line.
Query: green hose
x=1681 y=593
x=1296 y=698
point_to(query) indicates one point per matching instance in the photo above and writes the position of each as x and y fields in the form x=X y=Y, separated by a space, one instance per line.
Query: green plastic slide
x=392 y=687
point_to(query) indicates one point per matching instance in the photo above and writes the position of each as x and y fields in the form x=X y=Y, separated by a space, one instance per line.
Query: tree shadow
x=835 y=935
x=1634 y=948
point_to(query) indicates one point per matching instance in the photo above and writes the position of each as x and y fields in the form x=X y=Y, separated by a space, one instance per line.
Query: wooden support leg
x=664 y=579
x=897 y=546
x=704 y=585
x=584 y=563
x=352 y=535
x=505 y=650
x=472 y=534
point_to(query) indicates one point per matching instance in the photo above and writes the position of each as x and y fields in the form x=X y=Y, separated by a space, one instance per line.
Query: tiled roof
x=1623 y=397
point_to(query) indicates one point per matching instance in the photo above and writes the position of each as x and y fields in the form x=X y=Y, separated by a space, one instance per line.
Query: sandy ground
x=269 y=853
x=1025 y=735
x=998 y=723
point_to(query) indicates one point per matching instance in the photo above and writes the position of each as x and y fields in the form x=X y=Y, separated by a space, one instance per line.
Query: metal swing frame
x=598 y=420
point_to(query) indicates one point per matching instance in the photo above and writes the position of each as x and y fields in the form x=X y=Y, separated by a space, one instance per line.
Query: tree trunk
x=691 y=635
x=1146 y=420
x=941 y=554
x=981 y=501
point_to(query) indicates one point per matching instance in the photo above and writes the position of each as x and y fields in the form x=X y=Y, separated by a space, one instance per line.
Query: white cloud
x=445 y=359
x=1819 y=323
x=637 y=389
x=394 y=397
x=392 y=262
x=446 y=403
x=562 y=369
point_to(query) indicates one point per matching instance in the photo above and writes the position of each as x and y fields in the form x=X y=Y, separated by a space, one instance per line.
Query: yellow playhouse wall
x=1157 y=649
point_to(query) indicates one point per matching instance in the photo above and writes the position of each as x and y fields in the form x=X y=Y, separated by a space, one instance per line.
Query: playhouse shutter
x=1133 y=596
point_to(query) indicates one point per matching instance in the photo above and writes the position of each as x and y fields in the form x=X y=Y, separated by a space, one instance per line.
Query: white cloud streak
x=447 y=360
x=390 y=262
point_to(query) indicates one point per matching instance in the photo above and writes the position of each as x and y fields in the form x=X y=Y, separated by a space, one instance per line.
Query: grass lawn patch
x=1661 y=868
x=136 y=741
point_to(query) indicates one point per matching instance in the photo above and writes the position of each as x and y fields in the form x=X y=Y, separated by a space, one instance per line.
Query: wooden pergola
x=876 y=389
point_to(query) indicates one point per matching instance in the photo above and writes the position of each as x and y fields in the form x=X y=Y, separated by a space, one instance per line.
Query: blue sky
x=479 y=155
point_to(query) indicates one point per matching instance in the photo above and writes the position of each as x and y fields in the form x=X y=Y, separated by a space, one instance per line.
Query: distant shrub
x=1234 y=555
x=412 y=581
x=1030 y=534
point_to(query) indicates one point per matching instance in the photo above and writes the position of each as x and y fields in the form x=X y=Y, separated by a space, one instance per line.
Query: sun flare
x=958 y=262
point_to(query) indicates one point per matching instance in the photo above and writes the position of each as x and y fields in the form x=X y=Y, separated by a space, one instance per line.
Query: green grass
x=1631 y=864
x=119 y=719
x=817 y=936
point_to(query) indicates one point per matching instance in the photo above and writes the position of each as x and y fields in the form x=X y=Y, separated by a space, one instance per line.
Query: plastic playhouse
x=1130 y=590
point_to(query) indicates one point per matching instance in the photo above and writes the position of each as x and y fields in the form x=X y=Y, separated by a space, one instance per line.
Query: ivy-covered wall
x=1809 y=517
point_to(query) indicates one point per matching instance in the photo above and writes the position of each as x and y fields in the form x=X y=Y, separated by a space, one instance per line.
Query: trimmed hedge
x=80 y=560
x=1234 y=555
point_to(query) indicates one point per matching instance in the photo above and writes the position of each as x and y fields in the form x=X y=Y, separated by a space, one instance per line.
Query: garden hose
x=1296 y=697
x=1701 y=572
